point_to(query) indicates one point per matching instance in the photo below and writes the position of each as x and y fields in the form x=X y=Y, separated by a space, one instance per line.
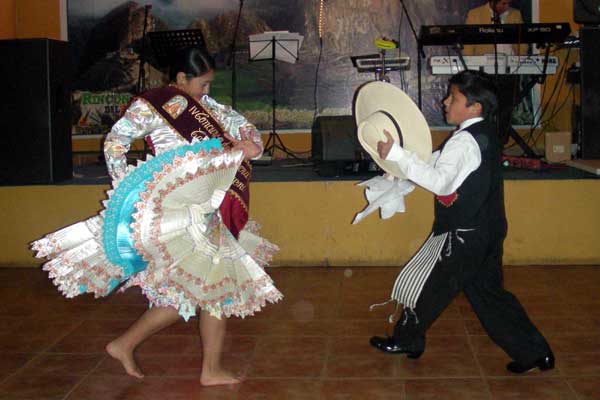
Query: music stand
x=380 y=64
x=166 y=43
x=283 y=46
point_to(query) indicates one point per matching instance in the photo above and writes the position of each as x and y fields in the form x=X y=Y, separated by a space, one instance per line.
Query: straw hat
x=380 y=105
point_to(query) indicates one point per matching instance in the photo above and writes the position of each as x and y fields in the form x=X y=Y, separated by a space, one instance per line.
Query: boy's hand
x=383 y=148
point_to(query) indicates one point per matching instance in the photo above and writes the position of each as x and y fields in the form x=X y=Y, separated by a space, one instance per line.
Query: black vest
x=479 y=201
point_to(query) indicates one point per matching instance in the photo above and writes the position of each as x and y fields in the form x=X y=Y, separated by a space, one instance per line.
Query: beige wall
x=550 y=222
x=8 y=12
x=20 y=19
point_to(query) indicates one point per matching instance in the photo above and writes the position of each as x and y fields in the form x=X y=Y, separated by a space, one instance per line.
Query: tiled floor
x=313 y=345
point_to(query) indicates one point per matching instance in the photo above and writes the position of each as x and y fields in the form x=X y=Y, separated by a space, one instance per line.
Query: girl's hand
x=248 y=147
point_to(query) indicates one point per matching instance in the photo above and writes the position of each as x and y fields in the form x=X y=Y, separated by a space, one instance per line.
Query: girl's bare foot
x=125 y=357
x=219 y=377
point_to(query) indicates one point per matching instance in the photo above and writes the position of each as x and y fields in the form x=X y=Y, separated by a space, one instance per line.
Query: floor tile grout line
x=252 y=357
x=572 y=390
x=329 y=338
x=90 y=372
x=481 y=370
x=326 y=359
x=38 y=355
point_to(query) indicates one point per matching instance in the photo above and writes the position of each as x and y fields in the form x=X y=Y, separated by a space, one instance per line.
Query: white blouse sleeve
x=447 y=170
x=135 y=123
x=235 y=124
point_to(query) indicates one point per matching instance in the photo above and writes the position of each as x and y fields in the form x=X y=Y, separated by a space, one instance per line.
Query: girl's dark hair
x=192 y=61
x=478 y=87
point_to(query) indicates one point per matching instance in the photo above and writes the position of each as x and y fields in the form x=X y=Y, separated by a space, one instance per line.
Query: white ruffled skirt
x=161 y=230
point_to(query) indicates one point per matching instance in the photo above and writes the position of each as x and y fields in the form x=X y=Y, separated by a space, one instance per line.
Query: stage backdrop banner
x=98 y=111
x=106 y=40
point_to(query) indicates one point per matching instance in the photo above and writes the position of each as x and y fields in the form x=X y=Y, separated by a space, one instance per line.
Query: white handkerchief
x=385 y=193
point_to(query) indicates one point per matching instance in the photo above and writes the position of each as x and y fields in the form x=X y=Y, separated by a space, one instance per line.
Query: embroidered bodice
x=141 y=120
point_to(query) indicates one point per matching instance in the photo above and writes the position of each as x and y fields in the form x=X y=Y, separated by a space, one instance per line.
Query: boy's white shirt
x=442 y=174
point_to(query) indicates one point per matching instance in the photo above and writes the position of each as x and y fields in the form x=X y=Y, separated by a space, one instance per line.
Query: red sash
x=192 y=120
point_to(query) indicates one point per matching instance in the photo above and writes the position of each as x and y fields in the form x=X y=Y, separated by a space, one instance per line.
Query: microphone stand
x=511 y=131
x=141 y=83
x=496 y=21
x=420 y=52
x=412 y=28
x=232 y=58
x=141 y=75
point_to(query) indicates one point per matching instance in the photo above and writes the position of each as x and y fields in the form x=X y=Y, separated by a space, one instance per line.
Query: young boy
x=464 y=251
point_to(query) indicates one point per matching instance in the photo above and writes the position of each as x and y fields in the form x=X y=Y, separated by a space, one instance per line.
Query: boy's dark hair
x=192 y=61
x=478 y=87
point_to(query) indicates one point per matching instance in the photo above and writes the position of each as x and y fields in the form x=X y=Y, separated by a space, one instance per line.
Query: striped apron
x=410 y=281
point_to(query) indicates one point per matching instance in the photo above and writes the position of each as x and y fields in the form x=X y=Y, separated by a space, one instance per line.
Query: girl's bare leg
x=152 y=321
x=212 y=331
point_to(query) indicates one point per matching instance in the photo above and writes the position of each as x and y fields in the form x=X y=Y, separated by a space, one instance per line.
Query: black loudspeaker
x=35 y=119
x=590 y=93
x=586 y=11
x=334 y=139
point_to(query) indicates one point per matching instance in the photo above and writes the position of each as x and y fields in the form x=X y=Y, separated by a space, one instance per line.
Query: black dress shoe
x=543 y=364
x=388 y=345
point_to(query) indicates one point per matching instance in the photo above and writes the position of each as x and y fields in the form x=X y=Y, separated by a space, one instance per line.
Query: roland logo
x=489 y=30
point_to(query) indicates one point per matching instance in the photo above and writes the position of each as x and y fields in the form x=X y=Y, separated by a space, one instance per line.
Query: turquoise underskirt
x=117 y=235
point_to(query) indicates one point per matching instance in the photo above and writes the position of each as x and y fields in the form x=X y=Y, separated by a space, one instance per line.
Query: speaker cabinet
x=590 y=93
x=334 y=139
x=586 y=11
x=35 y=119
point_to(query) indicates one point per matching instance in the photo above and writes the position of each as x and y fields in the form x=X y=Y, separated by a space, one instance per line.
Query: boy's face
x=455 y=107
